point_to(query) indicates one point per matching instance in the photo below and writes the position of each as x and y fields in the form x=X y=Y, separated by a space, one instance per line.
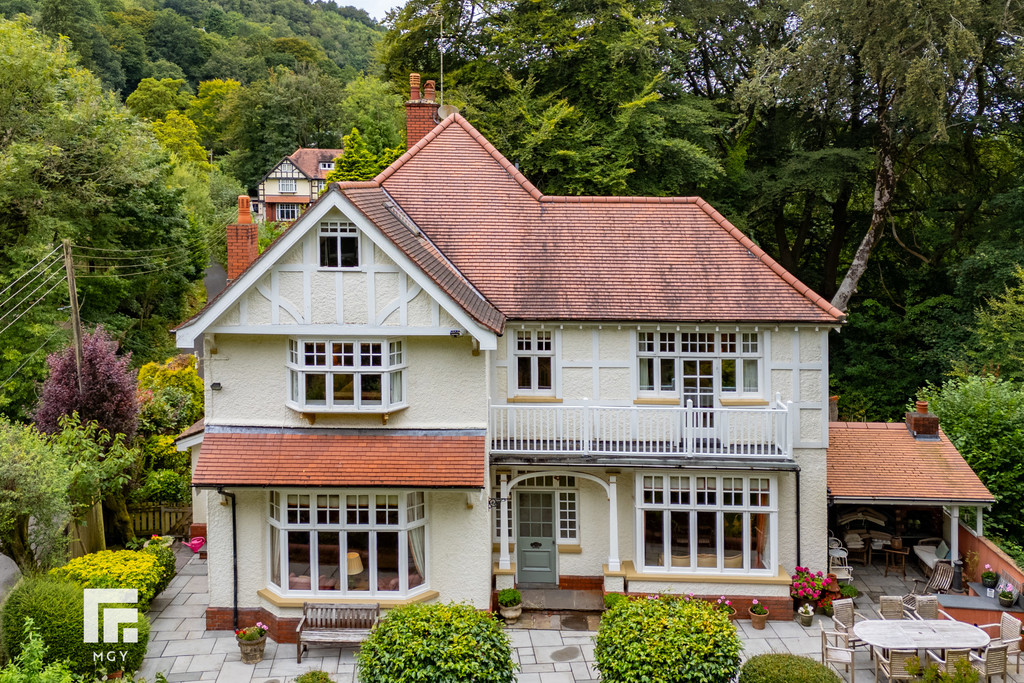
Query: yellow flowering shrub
x=116 y=569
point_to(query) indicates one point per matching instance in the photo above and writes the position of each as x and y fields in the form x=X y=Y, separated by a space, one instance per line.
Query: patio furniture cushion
x=942 y=551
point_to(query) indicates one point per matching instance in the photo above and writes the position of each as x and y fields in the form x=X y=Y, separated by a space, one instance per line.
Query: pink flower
x=754 y=602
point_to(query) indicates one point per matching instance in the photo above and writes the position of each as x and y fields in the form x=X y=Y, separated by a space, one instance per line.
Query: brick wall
x=279 y=629
x=419 y=120
x=581 y=583
x=242 y=248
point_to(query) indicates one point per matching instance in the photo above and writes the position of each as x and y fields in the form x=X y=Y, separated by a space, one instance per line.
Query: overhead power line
x=15 y=281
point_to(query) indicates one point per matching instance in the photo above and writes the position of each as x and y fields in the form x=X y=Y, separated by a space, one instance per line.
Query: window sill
x=282 y=601
x=744 y=402
x=570 y=549
x=533 y=399
x=324 y=410
x=656 y=402
x=631 y=574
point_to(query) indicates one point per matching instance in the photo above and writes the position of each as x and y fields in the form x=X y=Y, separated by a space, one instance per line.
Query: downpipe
x=234 y=551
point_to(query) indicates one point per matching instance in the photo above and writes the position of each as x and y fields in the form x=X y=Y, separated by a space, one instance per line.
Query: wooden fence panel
x=165 y=519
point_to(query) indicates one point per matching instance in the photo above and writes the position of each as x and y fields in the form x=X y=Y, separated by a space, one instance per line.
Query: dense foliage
x=56 y=608
x=445 y=643
x=141 y=570
x=669 y=639
x=775 y=668
x=30 y=665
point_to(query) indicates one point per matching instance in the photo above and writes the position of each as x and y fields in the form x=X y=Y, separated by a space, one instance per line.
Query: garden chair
x=834 y=651
x=839 y=564
x=940 y=581
x=894 y=664
x=1009 y=635
x=890 y=607
x=927 y=607
x=843 y=618
x=991 y=663
x=948 y=665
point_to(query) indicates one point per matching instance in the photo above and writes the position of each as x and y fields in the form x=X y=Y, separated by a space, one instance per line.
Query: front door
x=535 y=542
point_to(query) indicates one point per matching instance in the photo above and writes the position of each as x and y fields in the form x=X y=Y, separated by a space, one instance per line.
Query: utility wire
x=30 y=357
x=29 y=296
x=4 y=291
x=45 y=294
x=29 y=282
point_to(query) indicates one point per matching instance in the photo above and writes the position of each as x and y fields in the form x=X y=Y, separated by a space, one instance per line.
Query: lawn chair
x=992 y=663
x=1009 y=635
x=948 y=665
x=835 y=651
x=927 y=607
x=890 y=607
x=940 y=581
x=843 y=618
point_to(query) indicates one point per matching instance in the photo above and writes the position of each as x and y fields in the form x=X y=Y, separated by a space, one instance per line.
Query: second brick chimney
x=923 y=424
x=243 y=243
x=420 y=111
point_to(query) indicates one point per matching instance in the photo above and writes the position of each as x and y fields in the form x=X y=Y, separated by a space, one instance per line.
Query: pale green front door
x=535 y=540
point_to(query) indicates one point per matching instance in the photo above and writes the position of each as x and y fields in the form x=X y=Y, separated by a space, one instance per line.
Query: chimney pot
x=428 y=91
x=922 y=407
x=244 y=212
x=414 y=86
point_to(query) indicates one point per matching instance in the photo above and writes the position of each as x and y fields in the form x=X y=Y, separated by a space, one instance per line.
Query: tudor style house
x=296 y=181
x=442 y=382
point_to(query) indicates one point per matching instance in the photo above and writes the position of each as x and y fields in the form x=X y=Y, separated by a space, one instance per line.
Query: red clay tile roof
x=308 y=159
x=380 y=459
x=537 y=257
x=880 y=460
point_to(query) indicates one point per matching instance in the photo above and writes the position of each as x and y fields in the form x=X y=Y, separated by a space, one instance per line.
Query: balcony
x=589 y=431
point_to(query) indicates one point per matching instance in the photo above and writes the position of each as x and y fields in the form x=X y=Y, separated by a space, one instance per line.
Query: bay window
x=706 y=523
x=346 y=375
x=697 y=366
x=336 y=543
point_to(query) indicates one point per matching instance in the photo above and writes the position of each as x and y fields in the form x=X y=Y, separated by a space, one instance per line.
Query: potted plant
x=251 y=641
x=1006 y=595
x=988 y=577
x=510 y=603
x=758 y=615
x=808 y=587
x=726 y=606
x=806 y=613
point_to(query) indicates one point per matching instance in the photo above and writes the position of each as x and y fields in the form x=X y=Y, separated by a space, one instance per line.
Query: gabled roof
x=883 y=462
x=538 y=257
x=307 y=160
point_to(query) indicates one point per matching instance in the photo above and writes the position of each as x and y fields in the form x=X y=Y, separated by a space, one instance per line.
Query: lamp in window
x=355 y=564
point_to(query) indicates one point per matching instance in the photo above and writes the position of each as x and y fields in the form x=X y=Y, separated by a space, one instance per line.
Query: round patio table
x=925 y=634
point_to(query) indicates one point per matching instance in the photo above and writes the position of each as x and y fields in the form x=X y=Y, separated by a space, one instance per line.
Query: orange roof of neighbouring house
x=251 y=457
x=307 y=160
x=882 y=461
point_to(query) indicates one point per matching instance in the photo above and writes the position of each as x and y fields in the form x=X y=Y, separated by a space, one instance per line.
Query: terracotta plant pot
x=758 y=620
x=511 y=613
x=805 y=619
x=252 y=650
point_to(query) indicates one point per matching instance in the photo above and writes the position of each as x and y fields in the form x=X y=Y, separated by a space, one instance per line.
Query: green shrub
x=509 y=597
x=612 y=599
x=165 y=557
x=116 y=569
x=164 y=486
x=30 y=666
x=55 y=606
x=441 y=643
x=849 y=591
x=311 y=677
x=667 y=639
x=786 y=669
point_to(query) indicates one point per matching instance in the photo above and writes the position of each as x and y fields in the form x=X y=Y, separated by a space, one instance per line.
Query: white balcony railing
x=644 y=431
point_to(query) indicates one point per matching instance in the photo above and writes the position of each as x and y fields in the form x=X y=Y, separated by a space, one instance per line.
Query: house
x=296 y=181
x=442 y=382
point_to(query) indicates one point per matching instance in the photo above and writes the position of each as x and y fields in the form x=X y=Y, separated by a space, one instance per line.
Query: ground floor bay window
x=341 y=543
x=706 y=522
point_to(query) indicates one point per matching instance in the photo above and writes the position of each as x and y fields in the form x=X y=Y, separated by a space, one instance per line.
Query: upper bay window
x=338 y=245
x=346 y=375
x=695 y=366
x=534 y=362
x=286 y=185
x=287 y=212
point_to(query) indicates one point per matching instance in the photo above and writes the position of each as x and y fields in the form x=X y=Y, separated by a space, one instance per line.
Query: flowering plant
x=757 y=608
x=825 y=605
x=252 y=632
x=988 y=574
x=725 y=605
x=1006 y=591
x=806 y=609
x=808 y=586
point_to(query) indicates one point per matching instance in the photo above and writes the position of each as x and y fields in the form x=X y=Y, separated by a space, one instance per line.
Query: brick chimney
x=420 y=113
x=922 y=424
x=243 y=243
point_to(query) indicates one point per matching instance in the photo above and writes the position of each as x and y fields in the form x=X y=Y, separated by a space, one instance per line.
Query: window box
x=346 y=376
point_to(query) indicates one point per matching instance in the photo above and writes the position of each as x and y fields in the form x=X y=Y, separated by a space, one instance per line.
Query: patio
x=552 y=650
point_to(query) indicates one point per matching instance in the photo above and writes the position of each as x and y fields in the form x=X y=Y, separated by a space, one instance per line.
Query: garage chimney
x=243 y=245
x=922 y=424
x=420 y=113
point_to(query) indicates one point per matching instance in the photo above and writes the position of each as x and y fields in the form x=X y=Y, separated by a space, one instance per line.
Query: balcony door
x=698 y=386
x=535 y=538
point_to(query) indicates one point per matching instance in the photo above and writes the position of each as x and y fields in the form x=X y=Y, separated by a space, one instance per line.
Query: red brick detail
x=242 y=248
x=279 y=629
x=581 y=583
x=420 y=119
x=779 y=608
x=197 y=530
x=923 y=424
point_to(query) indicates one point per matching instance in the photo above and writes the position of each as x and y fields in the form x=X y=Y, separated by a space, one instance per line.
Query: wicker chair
x=1009 y=635
x=894 y=664
x=948 y=665
x=835 y=651
x=843 y=618
x=890 y=607
x=940 y=581
x=991 y=663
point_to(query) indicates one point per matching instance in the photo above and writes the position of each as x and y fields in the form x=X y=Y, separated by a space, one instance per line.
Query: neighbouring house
x=295 y=182
x=442 y=382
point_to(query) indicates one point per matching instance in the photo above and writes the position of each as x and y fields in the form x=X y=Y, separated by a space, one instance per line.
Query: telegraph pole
x=76 y=322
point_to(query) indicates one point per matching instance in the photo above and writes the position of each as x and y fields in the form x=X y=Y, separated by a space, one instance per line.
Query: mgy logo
x=112 y=616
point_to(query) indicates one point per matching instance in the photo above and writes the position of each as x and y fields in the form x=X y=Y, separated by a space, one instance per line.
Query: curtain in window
x=417 y=553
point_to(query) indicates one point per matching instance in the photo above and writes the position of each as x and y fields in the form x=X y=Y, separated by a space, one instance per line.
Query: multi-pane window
x=340 y=543
x=287 y=212
x=693 y=366
x=534 y=361
x=703 y=523
x=286 y=185
x=326 y=165
x=346 y=375
x=566 y=497
x=338 y=245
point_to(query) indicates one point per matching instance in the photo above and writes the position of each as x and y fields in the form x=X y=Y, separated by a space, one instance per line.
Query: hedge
x=117 y=569
x=56 y=608
x=776 y=668
x=165 y=557
x=667 y=639
x=440 y=643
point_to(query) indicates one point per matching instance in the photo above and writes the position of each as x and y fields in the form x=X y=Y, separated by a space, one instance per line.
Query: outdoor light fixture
x=215 y=386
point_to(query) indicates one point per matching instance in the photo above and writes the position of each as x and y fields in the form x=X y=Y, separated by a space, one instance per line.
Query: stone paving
x=548 y=648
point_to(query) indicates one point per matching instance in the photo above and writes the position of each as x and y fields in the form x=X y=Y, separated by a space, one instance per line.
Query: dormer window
x=346 y=375
x=286 y=185
x=326 y=165
x=339 y=245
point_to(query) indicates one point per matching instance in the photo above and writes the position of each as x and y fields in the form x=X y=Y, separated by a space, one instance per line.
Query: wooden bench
x=324 y=623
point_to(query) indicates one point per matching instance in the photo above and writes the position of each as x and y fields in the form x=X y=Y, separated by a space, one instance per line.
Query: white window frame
x=570 y=526
x=304 y=358
x=340 y=232
x=326 y=165
x=280 y=525
x=293 y=210
x=743 y=349
x=287 y=186
x=719 y=508
x=526 y=344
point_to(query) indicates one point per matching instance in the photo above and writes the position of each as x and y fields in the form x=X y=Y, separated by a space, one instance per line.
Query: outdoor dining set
x=913 y=626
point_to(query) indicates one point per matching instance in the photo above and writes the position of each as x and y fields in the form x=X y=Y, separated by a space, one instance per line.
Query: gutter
x=234 y=553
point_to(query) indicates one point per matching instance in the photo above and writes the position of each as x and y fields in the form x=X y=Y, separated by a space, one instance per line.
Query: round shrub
x=165 y=557
x=669 y=639
x=786 y=669
x=442 y=643
x=315 y=677
x=56 y=608
x=116 y=569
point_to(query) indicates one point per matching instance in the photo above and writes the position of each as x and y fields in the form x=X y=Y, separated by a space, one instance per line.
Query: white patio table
x=927 y=634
